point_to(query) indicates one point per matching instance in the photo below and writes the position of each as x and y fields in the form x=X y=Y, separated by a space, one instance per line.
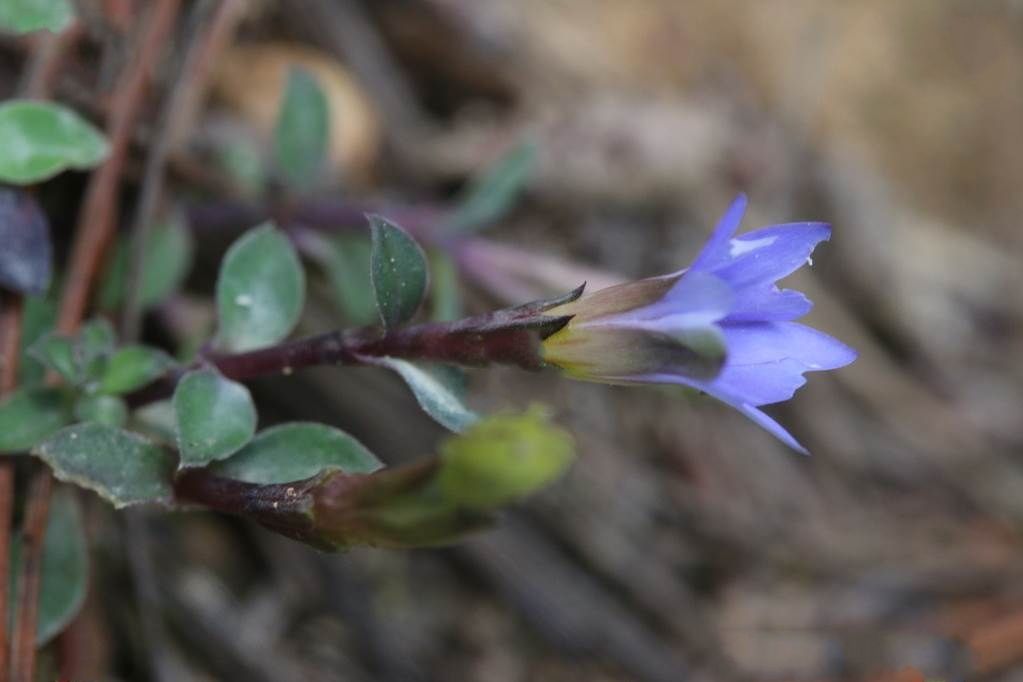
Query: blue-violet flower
x=722 y=326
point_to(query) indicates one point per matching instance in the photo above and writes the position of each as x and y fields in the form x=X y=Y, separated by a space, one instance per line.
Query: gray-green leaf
x=65 y=568
x=56 y=352
x=489 y=196
x=292 y=452
x=40 y=315
x=132 y=367
x=29 y=415
x=165 y=265
x=81 y=359
x=26 y=16
x=41 y=139
x=260 y=290
x=105 y=409
x=302 y=133
x=168 y=259
x=122 y=467
x=95 y=340
x=398 y=272
x=436 y=399
x=347 y=263
x=215 y=417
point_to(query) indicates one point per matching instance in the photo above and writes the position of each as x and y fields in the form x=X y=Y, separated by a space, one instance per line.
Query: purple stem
x=326 y=214
x=511 y=337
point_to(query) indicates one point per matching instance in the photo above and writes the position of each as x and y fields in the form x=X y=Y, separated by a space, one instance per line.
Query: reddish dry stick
x=10 y=328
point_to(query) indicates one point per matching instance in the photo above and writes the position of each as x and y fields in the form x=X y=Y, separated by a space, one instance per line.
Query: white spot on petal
x=243 y=300
x=737 y=247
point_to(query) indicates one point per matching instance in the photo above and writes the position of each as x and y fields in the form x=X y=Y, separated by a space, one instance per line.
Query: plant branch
x=97 y=219
x=33 y=532
x=44 y=63
x=511 y=336
x=11 y=309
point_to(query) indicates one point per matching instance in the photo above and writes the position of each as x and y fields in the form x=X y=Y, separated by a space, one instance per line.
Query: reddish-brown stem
x=511 y=336
x=97 y=216
x=44 y=66
x=10 y=327
x=33 y=532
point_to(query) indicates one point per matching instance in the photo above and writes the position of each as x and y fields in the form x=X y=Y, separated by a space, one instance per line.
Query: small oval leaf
x=41 y=139
x=260 y=290
x=29 y=415
x=56 y=352
x=436 y=399
x=132 y=367
x=302 y=133
x=105 y=409
x=27 y=253
x=38 y=320
x=346 y=258
x=215 y=417
x=122 y=467
x=489 y=196
x=398 y=272
x=292 y=452
x=165 y=266
x=26 y=16
x=168 y=259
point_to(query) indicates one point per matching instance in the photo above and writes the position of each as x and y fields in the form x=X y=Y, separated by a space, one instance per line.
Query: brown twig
x=97 y=217
x=511 y=336
x=95 y=229
x=214 y=22
x=10 y=327
x=43 y=68
x=33 y=532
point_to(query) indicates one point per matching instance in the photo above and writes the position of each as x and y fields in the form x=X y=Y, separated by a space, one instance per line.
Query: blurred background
x=685 y=544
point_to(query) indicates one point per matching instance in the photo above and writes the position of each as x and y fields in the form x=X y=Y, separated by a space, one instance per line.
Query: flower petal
x=716 y=390
x=716 y=248
x=771 y=426
x=767 y=303
x=755 y=343
x=696 y=299
x=768 y=254
x=771 y=382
